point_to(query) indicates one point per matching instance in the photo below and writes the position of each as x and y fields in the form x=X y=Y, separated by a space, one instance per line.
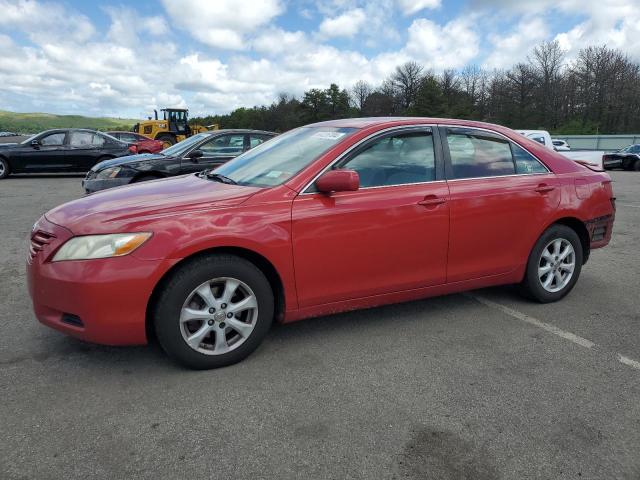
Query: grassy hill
x=36 y=122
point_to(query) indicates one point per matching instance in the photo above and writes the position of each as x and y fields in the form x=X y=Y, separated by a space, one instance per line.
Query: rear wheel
x=4 y=168
x=554 y=265
x=636 y=166
x=213 y=311
x=167 y=140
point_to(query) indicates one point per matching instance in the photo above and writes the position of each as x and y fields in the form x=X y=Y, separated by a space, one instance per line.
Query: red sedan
x=329 y=217
x=143 y=144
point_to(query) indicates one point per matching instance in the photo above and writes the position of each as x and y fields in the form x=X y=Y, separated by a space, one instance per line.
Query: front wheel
x=213 y=311
x=554 y=265
x=4 y=168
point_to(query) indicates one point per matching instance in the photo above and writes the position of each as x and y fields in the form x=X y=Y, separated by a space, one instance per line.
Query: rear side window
x=398 y=159
x=224 y=145
x=86 y=139
x=525 y=162
x=476 y=155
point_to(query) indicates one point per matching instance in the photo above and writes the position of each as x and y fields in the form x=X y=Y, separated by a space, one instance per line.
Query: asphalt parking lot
x=477 y=386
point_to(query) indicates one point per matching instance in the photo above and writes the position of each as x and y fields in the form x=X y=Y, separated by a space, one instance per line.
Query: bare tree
x=359 y=93
x=406 y=79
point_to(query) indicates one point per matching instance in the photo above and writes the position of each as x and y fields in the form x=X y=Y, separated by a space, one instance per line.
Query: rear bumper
x=102 y=301
x=600 y=230
x=612 y=162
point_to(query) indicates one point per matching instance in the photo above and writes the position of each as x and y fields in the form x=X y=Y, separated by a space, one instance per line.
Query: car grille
x=39 y=239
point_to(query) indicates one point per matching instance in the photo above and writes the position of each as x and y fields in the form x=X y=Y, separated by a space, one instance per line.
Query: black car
x=628 y=158
x=194 y=154
x=60 y=150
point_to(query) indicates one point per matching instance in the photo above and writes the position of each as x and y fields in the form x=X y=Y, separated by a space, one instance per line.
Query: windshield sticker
x=274 y=174
x=328 y=135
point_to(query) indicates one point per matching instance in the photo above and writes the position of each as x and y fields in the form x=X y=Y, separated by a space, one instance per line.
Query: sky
x=123 y=59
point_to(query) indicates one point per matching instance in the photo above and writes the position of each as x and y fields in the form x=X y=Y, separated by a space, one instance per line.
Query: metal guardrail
x=599 y=142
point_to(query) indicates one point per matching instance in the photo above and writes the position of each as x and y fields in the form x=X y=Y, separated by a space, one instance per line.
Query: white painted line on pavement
x=627 y=205
x=583 y=342
x=628 y=361
x=572 y=337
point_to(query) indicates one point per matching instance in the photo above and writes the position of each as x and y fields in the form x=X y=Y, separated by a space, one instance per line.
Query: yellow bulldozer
x=172 y=128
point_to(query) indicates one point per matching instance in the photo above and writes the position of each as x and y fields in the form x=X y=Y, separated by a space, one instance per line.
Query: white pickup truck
x=593 y=157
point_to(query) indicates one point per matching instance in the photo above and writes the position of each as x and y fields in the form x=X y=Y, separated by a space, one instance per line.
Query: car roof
x=239 y=130
x=366 y=122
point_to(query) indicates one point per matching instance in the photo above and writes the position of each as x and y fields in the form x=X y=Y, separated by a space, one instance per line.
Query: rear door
x=85 y=148
x=388 y=236
x=501 y=197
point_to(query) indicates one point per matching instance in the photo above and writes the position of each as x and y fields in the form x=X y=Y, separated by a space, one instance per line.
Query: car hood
x=128 y=160
x=109 y=210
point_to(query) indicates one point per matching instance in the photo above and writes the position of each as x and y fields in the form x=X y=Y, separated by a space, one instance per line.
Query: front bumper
x=102 y=301
x=95 y=185
x=612 y=163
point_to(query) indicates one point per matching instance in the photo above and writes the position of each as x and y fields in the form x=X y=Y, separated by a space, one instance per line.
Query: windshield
x=277 y=160
x=30 y=139
x=180 y=148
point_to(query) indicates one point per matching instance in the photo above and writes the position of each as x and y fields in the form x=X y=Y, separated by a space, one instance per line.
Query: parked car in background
x=592 y=157
x=60 y=150
x=329 y=217
x=202 y=151
x=142 y=143
x=540 y=136
x=560 y=145
x=627 y=158
x=8 y=134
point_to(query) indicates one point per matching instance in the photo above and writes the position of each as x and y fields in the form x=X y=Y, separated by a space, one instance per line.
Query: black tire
x=532 y=286
x=636 y=166
x=179 y=287
x=5 y=170
x=146 y=178
x=167 y=138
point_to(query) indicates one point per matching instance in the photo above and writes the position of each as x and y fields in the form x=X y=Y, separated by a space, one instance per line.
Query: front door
x=500 y=199
x=48 y=155
x=388 y=236
x=216 y=151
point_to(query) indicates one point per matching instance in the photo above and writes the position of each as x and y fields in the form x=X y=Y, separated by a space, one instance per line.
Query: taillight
x=133 y=148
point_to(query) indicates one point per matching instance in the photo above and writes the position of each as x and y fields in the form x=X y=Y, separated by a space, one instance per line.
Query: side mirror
x=35 y=143
x=338 y=181
x=195 y=155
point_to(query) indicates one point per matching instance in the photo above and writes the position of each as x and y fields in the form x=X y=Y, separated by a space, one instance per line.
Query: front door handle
x=431 y=201
x=544 y=188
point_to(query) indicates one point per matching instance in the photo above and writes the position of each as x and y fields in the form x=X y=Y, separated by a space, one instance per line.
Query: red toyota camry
x=329 y=217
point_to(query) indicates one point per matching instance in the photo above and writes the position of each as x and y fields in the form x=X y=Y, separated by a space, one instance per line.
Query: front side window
x=398 y=159
x=53 y=139
x=224 y=145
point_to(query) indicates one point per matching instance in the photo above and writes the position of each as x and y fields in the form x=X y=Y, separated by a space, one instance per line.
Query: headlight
x=108 y=173
x=100 y=246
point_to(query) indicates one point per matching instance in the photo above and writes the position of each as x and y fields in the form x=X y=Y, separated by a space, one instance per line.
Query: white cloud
x=344 y=25
x=223 y=23
x=45 y=22
x=514 y=47
x=411 y=7
x=452 y=45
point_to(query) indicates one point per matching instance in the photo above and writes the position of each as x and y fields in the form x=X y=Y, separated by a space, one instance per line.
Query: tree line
x=596 y=92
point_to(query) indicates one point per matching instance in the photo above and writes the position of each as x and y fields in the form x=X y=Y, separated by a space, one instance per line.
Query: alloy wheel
x=556 y=265
x=218 y=316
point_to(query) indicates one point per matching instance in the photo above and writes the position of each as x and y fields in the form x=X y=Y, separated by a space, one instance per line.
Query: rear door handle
x=543 y=188
x=431 y=201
